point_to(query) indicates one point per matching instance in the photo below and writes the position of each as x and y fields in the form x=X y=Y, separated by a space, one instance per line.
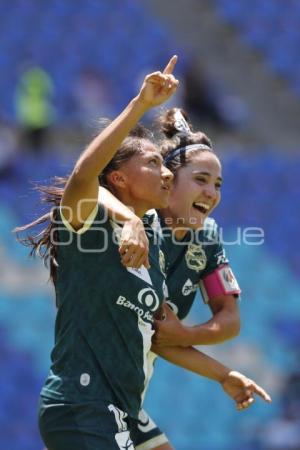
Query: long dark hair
x=43 y=244
x=175 y=137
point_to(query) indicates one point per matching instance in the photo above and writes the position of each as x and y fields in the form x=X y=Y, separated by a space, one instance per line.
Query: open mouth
x=202 y=207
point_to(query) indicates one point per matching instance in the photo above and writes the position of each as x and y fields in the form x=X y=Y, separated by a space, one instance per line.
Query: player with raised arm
x=104 y=325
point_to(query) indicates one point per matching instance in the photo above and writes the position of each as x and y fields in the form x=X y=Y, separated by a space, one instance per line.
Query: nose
x=167 y=175
x=210 y=190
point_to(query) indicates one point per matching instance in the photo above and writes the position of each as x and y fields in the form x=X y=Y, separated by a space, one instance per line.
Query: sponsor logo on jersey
x=147 y=298
x=195 y=257
x=189 y=287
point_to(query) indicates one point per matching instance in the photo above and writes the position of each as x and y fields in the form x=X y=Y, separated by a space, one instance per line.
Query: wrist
x=140 y=105
x=223 y=374
x=130 y=216
x=135 y=220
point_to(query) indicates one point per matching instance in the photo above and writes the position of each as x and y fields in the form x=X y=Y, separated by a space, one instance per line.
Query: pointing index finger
x=171 y=64
x=262 y=393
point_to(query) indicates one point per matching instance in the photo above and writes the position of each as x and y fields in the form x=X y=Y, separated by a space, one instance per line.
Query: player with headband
x=192 y=253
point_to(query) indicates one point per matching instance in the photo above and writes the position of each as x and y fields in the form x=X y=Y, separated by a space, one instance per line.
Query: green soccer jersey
x=104 y=320
x=188 y=261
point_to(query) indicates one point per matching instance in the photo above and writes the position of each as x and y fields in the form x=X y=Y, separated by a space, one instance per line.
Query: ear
x=118 y=179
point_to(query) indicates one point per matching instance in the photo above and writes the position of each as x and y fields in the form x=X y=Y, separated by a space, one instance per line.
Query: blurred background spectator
x=218 y=109
x=240 y=79
x=34 y=108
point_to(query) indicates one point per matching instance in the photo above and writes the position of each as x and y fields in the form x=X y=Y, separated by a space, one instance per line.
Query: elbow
x=234 y=329
x=237 y=323
x=229 y=329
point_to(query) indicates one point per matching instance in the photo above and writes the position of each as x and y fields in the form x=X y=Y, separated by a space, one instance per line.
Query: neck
x=137 y=207
x=179 y=229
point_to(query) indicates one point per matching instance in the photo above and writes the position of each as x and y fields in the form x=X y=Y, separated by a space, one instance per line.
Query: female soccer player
x=193 y=254
x=100 y=365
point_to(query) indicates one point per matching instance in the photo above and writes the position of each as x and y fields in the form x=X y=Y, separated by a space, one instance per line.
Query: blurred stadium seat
x=66 y=37
x=271 y=27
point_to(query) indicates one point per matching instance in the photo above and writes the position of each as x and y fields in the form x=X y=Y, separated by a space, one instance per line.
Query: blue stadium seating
x=271 y=27
x=65 y=38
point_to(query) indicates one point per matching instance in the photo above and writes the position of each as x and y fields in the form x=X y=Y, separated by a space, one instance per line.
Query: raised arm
x=81 y=192
x=240 y=388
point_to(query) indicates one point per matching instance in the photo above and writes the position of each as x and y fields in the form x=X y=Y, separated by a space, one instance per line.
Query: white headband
x=183 y=150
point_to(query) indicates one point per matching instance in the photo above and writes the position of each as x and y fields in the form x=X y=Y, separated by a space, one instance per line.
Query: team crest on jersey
x=195 y=257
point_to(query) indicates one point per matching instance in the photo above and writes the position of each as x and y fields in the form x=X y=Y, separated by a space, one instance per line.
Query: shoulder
x=210 y=231
x=97 y=216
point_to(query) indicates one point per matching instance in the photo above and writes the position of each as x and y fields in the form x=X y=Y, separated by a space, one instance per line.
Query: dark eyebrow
x=198 y=172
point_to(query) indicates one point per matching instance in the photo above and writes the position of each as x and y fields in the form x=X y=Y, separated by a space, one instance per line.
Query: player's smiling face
x=196 y=190
x=149 y=182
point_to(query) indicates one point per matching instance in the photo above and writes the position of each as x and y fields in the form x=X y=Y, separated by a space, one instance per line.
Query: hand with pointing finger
x=158 y=87
x=242 y=390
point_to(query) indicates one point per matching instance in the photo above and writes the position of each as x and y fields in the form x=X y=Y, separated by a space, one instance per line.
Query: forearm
x=221 y=327
x=115 y=208
x=102 y=149
x=193 y=360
